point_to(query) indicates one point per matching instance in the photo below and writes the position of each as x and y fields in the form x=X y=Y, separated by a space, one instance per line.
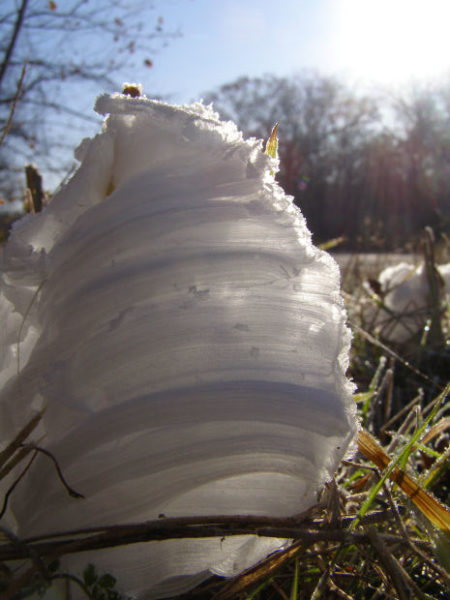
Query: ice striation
x=187 y=341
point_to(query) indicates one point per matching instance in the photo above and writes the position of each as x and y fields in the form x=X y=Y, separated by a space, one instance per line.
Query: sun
x=392 y=41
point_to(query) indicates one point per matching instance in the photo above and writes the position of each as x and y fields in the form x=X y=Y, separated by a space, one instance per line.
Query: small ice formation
x=405 y=292
x=187 y=341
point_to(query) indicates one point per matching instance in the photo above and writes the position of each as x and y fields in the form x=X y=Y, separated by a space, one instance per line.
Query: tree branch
x=14 y=105
x=12 y=42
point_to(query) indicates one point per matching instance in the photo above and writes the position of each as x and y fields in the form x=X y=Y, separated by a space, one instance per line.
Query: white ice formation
x=406 y=300
x=186 y=338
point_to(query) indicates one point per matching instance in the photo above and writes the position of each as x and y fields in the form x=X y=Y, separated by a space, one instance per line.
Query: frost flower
x=405 y=291
x=186 y=338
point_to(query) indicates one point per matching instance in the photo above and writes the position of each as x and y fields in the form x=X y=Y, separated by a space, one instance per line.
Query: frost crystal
x=186 y=338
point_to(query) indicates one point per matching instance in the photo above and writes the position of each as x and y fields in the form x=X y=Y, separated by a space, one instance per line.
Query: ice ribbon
x=186 y=338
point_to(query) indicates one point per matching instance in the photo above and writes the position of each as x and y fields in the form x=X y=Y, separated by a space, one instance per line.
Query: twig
x=227 y=521
x=34 y=187
x=402 y=430
x=13 y=486
x=12 y=42
x=189 y=527
x=15 y=460
x=15 y=100
x=376 y=416
x=337 y=590
x=20 y=438
x=403 y=411
x=47 y=453
x=395 y=511
x=390 y=565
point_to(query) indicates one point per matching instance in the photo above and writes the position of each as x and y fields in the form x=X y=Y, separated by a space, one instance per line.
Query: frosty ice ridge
x=186 y=338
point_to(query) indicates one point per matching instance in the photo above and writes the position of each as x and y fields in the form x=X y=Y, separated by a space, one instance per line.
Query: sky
x=388 y=42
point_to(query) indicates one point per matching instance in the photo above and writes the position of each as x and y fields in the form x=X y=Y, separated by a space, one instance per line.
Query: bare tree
x=323 y=129
x=424 y=116
x=373 y=169
x=403 y=183
x=71 y=50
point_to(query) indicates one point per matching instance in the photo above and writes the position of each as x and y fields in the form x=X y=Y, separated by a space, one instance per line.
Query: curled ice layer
x=186 y=338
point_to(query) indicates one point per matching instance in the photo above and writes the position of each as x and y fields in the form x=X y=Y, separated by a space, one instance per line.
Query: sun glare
x=393 y=40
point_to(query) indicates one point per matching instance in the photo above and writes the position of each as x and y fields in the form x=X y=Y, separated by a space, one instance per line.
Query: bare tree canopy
x=52 y=54
x=358 y=165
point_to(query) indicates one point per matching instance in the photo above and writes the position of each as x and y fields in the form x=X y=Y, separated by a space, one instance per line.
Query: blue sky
x=367 y=41
x=225 y=39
